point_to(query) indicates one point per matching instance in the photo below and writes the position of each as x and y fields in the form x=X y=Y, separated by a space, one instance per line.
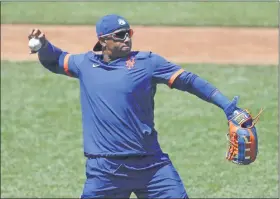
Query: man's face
x=119 y=43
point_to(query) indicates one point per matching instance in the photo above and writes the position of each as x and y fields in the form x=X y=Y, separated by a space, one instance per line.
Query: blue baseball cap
x=108 y=24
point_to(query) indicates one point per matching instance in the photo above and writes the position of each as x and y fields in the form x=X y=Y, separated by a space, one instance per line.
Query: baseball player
x=117 y=89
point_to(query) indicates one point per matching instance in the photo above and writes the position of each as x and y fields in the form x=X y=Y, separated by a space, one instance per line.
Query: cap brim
x=97 y=47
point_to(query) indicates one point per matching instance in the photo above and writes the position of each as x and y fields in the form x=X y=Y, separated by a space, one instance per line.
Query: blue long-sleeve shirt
x=117 y=98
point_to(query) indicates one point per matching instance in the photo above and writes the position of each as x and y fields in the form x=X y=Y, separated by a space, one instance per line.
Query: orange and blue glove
x=242 y=135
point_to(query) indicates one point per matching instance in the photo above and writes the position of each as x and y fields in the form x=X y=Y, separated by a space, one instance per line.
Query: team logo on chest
x=130 y=63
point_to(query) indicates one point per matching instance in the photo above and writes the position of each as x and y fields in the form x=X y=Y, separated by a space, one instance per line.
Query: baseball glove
x=242 y=138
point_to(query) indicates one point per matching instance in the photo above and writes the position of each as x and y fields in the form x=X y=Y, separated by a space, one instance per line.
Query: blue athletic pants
x=147 y=177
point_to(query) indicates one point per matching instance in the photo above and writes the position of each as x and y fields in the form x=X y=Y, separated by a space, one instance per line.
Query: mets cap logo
x=121 y=22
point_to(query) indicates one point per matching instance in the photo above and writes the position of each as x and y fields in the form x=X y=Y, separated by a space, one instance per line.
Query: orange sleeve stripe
x=65 y=65
x=174 y=76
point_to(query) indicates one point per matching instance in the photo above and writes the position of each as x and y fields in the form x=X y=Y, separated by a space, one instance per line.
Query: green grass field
x=144 y=13
x=41 y=135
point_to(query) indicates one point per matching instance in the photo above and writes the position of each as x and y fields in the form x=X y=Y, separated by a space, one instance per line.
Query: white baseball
x=34 y=44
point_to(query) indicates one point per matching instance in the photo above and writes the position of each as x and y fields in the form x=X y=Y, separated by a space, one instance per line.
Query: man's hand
x=37 y=34
x=229 y=110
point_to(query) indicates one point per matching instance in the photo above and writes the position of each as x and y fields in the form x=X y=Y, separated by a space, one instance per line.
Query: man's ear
x=102 y=41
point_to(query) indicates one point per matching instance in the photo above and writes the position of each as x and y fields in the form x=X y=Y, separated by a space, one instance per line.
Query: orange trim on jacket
x=174 y=76
x=65 y=65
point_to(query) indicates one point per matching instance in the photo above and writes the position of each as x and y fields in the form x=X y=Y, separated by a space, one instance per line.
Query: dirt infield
x=178 y=44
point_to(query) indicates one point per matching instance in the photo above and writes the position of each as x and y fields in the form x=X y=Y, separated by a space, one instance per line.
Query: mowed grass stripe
x=41 y=136
x=144 y=13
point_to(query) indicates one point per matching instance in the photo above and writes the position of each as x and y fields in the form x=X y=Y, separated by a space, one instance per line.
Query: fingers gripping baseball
x=36 y=39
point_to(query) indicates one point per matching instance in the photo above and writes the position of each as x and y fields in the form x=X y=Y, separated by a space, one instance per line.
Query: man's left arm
x=195 y=85
x=166 y=72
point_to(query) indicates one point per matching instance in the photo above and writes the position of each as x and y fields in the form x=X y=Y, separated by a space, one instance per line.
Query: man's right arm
x=55 y=59
x=58 y=61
